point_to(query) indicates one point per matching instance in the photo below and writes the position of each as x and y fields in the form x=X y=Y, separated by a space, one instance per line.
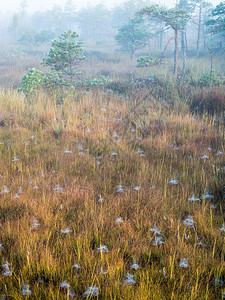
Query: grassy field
x=119 y=193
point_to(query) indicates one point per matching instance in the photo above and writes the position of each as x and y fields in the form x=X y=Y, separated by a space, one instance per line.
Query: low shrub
x=210 y=101
x=95 y=82
x=32 y=82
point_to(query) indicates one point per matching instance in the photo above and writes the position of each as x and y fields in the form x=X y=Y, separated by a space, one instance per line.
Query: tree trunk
x=186 y=43
x=175 y=52
x=166 y=47
x=132 y=46
x=211 y=68
x=204 y=34
x=183 y=49
x=161 y=38
x=199 y=27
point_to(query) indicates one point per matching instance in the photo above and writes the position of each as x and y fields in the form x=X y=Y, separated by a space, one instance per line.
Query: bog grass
x=58 y=159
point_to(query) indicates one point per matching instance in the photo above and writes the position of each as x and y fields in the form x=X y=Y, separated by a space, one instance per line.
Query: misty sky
x=33 y=5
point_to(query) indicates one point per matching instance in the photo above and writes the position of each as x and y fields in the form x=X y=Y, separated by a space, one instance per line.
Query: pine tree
x=65 y=55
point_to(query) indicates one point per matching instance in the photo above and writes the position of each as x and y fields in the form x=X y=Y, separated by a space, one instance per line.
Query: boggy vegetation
x=112 y=161
x=113 y=193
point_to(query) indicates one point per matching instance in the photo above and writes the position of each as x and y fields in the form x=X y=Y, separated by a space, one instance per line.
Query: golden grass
x=43 y=258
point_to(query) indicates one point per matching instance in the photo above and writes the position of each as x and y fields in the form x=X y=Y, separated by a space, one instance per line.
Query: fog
x=112 y=27
x=41 y=5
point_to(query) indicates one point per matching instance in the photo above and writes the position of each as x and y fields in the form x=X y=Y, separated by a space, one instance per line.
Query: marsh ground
x=117 y=168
